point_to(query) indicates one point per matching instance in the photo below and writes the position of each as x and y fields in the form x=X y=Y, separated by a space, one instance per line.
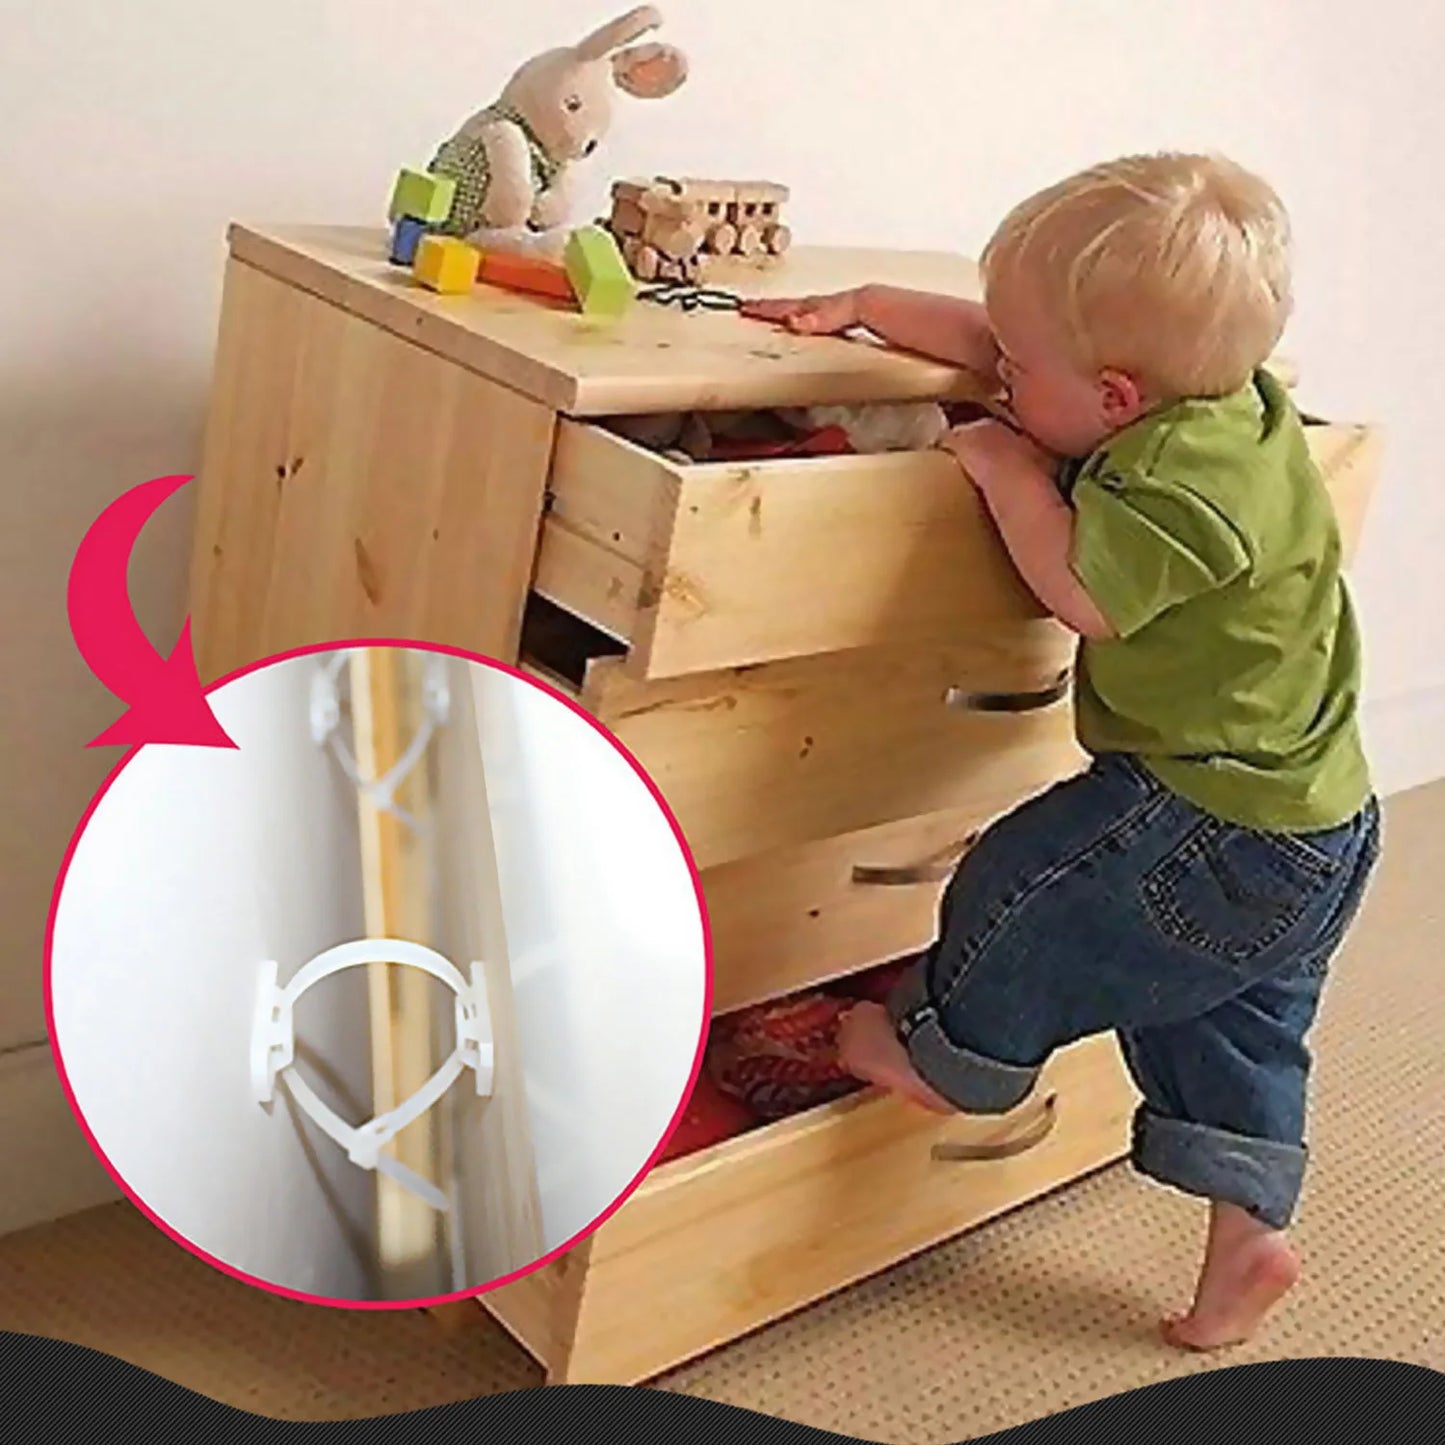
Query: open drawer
x=796 y=1210
x=708 y=566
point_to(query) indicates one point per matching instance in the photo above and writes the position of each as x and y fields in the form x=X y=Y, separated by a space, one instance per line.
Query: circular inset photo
x=396 y=999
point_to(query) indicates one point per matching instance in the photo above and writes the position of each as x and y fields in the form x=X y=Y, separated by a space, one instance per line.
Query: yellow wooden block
x=446 y=264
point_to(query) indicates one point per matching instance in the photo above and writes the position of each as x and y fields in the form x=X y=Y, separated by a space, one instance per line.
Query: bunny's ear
x=649 y=71
x=617 y=33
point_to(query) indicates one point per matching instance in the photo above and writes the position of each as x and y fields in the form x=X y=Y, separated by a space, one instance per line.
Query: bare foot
x=1248 y=1269
x=870 y=1050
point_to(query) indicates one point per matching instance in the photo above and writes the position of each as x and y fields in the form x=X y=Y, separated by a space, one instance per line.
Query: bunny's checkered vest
x=464 y=159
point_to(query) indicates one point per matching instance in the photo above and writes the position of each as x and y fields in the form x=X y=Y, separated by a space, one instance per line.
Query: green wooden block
x=423 y=196
x=598 y=274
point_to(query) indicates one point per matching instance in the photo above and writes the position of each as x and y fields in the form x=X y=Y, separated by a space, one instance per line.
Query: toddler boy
x=1189 y=890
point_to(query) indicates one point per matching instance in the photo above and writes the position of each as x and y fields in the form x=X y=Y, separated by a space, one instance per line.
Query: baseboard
x=49 y=1170
x=1405 y=738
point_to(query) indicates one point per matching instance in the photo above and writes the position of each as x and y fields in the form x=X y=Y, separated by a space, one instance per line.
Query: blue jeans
x=1109 y=903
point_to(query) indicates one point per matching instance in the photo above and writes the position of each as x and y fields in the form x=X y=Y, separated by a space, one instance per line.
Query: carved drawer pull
x=1039 y=1130
x=932 y=869
x=1056 y=691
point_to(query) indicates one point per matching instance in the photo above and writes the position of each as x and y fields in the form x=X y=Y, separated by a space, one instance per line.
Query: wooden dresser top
x=654 y=359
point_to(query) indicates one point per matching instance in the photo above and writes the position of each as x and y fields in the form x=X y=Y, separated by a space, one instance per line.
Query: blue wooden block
x=405 y=238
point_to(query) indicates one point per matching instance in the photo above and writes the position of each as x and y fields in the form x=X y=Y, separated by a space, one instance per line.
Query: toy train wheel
x=750 y=241
x=647 y=263
x=777 y=239
x=722 y=240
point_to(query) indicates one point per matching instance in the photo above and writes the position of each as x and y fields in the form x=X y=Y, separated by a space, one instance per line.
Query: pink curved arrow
x=166 y=703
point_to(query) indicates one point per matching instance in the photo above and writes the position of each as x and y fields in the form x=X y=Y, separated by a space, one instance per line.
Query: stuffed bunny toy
x=511 y=160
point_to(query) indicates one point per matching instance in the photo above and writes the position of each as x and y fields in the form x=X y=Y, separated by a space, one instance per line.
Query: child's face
x=1065 y=410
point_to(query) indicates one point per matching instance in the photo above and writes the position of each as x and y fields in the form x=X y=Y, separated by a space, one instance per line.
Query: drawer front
x=790 y=753
x=764 y=1224
x=798 y=917
x=735 y=564
x=713 y=566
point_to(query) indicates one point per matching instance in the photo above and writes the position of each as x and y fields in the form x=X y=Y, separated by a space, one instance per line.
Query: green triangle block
x=598 y=274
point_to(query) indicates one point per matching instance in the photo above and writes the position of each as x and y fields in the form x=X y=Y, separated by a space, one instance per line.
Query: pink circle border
x=477 y=1291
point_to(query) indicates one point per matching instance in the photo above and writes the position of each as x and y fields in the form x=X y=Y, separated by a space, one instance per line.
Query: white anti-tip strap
x=326 y=730
x=273 y=1049
x=326 y=1120
x=326 y=695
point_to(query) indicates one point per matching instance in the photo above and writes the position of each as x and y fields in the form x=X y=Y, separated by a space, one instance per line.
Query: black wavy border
x=63 y=1392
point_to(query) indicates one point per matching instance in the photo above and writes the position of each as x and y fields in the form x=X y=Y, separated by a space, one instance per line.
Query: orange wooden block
x=533 y=274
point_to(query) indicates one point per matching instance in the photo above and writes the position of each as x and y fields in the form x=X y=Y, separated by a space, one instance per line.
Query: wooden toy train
x=671 y=230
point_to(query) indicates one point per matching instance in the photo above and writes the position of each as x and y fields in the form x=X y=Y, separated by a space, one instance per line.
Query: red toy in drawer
x=780 y=1058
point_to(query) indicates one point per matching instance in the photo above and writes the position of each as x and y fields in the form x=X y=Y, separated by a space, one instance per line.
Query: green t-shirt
x=1206 y=537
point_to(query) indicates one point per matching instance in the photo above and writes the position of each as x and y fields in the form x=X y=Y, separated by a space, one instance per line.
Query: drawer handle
x=932 y=869
x=1039 y=1130
x=1044 y=697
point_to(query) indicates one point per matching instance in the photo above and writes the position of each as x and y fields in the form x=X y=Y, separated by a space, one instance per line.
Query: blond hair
x=1174 y=268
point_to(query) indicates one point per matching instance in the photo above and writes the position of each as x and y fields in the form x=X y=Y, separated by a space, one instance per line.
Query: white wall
x=134 y=133
x=197 y=866
x=606 y=945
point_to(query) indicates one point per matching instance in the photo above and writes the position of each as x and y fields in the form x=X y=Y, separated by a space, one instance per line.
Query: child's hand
x=810 y=315
x=988 y=450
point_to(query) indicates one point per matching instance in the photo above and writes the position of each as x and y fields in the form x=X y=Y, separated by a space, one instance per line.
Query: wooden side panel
x=354 y=485
x=775 y=756
x=610 y=511
x=541 y=1310
x=500 y=1222
x=613 y=492
x=255 y=388
x=590 y=581
x=770 y=1222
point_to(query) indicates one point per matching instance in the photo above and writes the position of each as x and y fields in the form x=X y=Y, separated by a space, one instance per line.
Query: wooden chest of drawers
x=828 y=665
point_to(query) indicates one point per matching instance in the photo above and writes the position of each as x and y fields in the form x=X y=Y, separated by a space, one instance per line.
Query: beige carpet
x=1048 y=1308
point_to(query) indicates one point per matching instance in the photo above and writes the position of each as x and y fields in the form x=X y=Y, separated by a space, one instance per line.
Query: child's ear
x=1122 y=398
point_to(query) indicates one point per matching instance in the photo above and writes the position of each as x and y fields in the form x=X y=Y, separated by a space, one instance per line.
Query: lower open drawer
x=721 y=1242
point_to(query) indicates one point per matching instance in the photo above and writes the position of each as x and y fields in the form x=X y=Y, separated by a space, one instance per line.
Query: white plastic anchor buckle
x=273 y=1052
x=326 y=691
x=326 y=696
